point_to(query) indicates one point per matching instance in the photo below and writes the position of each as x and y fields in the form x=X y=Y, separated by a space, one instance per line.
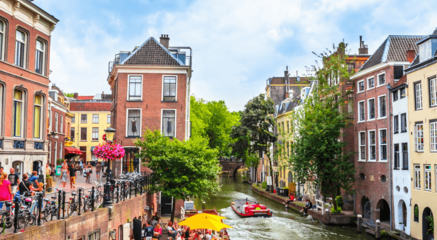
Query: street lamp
x=109 y=188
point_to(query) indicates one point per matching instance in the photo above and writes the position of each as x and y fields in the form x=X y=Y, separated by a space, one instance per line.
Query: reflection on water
x=285 y=223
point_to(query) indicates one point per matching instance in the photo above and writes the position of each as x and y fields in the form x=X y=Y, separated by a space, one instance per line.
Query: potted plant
x=430 y=230
x=401 y=226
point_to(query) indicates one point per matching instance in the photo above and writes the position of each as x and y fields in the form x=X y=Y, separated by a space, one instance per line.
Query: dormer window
x=425 y=51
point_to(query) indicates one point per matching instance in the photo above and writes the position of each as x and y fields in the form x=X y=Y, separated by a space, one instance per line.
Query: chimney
x=363 y=50
x=164 y=40
x=75 y=95
x=411 y=54
x=286 y=81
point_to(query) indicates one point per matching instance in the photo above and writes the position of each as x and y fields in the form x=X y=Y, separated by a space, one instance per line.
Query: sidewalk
x=80 y=181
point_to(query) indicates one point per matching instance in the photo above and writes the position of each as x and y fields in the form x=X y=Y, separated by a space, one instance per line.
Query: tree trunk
x=271 y=172
x=256 y=176
x=173 y=210
x=333 y=201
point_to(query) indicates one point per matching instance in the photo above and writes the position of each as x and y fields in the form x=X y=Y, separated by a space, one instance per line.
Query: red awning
x=70 y=150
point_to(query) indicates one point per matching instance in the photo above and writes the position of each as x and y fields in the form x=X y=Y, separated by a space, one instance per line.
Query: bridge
x=231 y=166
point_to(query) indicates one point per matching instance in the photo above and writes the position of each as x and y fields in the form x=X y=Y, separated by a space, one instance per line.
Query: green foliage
x=430 y=221
x=59 y=161
x=213 y=121
x=416 y=211
x=180 y=169
x=264 y=185
x=339 y=201
x=69 y=94
x=383 y=233
x=285 y=188
x=336 y=211
x=318 y=149
x=253 y=135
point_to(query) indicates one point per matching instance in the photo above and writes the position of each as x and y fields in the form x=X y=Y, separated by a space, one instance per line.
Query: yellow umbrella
x=205 y=221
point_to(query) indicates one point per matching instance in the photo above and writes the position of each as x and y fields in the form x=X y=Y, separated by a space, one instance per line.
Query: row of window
x=59 y=123
x=169 y=88
x=285 y=127
x=419 y=144
x=21 y=48
x=372 y=148
x=83 y=133
x=418 y=102
x=371 y=82
x=56 y=154
x=427 y=179
x=371 y=112
x=168 y=122
x=95 y=118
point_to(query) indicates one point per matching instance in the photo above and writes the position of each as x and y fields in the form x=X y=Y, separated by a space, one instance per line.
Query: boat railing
x=320 y=205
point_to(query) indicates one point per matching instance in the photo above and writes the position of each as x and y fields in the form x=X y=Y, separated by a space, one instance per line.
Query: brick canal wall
x=101 y=220
x=329 y=219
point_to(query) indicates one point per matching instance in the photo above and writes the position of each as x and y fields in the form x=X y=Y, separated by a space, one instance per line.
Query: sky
x=237 y=44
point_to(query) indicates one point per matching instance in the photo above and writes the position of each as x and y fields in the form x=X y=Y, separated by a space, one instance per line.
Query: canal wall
x=326 y=218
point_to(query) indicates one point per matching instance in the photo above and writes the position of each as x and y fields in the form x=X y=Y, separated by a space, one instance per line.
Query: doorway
x=366 y=208
x=19 y=168
x=427 y=222
x=166 y=205
x=384 y=211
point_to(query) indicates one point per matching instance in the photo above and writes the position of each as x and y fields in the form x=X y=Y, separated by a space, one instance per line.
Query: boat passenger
x=291 y=199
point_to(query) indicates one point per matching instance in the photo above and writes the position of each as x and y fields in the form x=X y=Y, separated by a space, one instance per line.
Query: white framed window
x=108 y=118
x=403 y=122
x=2 y=39
x=18 y=113
x=372 y=145
x=94 y=236
x=417 y=176
x=73 y=119
x=381 y=79
x=37 y=116
x=396 y=124
x=405 y=165
x=360 y=86
x=168 y=123
x=56 y=122
x=433 y=135
x=383 y=145
x=56 y=150
x=20 y=48
x=361 y=111
x=433 y=92
x=60 y=151
x=72 y=133
x=362 y=146
x=425 y=51
x=418 y=137
x=169 y=88
x=396 y=156
x=428 y=177
x=39 y=57
x=403 y=93
x=62 y=124
x=395 y=96
x=50 y=120
x=95 y=118
x=83 y=134
x=95 y=134
x=133 y=122
x=418 y=95
x=135 y=88
x=83 y=118
x=370 y=83
x=382 y=110
x=371 y=109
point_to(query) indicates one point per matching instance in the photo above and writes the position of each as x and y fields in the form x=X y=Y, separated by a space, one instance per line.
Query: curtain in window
x=133 y=127
x=18 y=111
x=169 y=88
x=168 y=123
x=37 y=122
x=39 y=57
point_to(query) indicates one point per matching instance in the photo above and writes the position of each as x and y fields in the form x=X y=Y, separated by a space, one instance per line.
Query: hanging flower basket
x=109 y=151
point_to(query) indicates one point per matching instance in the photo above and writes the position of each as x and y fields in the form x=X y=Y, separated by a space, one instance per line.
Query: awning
x=71 y=150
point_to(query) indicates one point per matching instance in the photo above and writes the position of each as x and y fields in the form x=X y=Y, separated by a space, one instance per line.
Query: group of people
x=308 y=204
x=152 y=230
x=70 y=171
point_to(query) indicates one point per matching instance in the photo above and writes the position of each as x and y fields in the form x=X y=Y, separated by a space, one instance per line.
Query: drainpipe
x=390 y=157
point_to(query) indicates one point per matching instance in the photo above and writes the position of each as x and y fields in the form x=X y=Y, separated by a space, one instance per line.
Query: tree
x=213 y=121
x=69 y=94
x=180 y=169
x=255 y=132
x=318 y=152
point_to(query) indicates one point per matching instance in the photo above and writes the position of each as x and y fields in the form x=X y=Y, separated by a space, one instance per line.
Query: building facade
x=25 y=37
x=422 y=126
x=90 y=118
x=373 y=161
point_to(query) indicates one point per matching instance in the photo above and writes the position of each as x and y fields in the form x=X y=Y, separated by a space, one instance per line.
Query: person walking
x=72 y=170
x=5 y=189
x=64 y=174
x=14 y=179
x=89 y=170
x=98 y=170
x=81 y=165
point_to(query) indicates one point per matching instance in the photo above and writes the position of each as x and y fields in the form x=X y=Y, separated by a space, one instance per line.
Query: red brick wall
x=151 y=105
x=374 y=189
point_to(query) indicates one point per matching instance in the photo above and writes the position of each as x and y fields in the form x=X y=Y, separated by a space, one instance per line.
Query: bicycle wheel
x=70 y=208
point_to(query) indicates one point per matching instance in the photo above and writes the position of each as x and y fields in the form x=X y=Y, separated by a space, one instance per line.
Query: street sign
x=104 y=137
x=146 y=208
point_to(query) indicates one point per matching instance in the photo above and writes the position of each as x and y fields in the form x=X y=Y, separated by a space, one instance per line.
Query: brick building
x=373 y=161
x=25 y=31
x=150 y=88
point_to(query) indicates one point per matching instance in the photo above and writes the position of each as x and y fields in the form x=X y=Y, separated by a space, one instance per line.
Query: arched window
x=60 y=151
x=56 y=122
x=39 y=57
x=37 y=118
x=56 y=151
x=2 y=40
x=18 y=112
x=20 y=48
x=416 y=213
x=62 y=125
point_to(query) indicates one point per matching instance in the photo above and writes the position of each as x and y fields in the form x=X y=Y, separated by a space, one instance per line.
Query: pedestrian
x=72 y=171
x=14 y=179
x=148 y=230
x=98 y=170
x=187 y=232
x=89 y=170
x=24 y=188
x=5 y=189
x=48 y=170
x=64 y=173
x=1 y=170
x=171 y=231
x=81 y=165
x=34 y=179
x=157 y=232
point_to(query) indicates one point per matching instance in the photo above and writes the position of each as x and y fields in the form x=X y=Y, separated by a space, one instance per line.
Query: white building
x=401 y=156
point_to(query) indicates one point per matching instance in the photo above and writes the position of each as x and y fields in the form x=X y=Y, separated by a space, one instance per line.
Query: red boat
x=246 y=208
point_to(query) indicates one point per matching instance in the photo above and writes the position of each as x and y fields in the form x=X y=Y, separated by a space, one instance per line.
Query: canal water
x=285 y=223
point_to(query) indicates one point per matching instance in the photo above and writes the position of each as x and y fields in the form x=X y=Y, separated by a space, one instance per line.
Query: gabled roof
x=393 y=49
x=152 y=53
x=90 y=106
